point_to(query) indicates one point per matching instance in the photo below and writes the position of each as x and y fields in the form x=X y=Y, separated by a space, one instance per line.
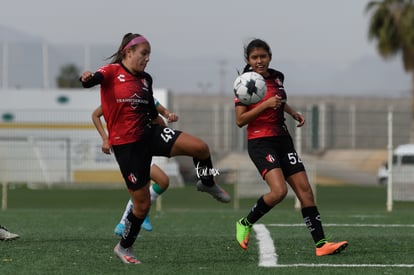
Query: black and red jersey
x=270 y=122
x=127 y=103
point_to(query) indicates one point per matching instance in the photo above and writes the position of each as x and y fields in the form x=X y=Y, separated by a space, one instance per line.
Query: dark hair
x=254 y=44
x=119 y=55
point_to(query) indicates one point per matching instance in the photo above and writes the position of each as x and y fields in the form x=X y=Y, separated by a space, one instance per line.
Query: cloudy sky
x=330 y=33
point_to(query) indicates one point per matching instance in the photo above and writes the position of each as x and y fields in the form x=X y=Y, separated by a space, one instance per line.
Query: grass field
x=69 y=231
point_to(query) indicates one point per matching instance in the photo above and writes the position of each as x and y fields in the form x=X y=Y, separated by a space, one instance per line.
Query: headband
x=133 y=42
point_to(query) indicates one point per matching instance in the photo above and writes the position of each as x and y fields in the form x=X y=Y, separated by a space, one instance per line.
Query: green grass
x=69 y=231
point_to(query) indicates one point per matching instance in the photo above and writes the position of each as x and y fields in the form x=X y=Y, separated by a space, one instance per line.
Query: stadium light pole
x=5 y=65
x=87 y=57
x=222 y=75
x=204 y=86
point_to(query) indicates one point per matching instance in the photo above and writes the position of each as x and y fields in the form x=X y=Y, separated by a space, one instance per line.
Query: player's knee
x=201 y=150
x=164 y=182
x=276 y=196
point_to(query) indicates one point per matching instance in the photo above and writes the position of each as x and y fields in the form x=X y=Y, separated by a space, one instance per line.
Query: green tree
x=69 y=77
x=392 y=26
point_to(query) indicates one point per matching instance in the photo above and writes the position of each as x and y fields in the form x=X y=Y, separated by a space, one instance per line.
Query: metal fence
x=65 y=153
x=336 y=123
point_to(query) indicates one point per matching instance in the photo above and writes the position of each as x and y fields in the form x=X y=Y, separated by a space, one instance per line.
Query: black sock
x=203 y=169
x=132 y=228
x=313 y=222
x=258 y=211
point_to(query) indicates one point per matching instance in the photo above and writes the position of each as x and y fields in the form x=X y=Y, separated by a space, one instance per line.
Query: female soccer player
x=271 y=149
x=129 y=110
x=159 y=178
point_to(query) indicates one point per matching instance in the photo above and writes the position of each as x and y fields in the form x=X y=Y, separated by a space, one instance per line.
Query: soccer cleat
x=146 y=225
x=119 y=229
x=126 y=254
x=216 y=191
x=243 y=234
x=6 y=235
x=330 y=248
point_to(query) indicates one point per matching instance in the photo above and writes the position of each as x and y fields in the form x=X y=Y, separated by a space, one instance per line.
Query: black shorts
x=275 y=152
x=134 y=160
x=162 y=140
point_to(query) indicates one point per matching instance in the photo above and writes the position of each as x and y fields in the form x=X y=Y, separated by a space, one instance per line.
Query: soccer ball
x=249 y=88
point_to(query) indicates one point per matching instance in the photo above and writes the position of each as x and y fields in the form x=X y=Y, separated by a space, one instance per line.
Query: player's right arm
x=96 y=119
x=245 y=116
x=89 y=79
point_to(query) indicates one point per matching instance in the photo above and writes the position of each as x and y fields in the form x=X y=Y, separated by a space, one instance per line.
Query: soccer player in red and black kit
x=271 y=149
x=128 y=108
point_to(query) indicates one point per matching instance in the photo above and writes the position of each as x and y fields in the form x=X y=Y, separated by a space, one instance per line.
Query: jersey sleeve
x=153 y=113
x=96 y=79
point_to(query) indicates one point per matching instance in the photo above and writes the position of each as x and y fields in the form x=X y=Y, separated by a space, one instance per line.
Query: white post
x=322 y=125
x=3 y=167
x=158 y=202
x=298 y=146
x=216 y=126
x=227 y=133
x=390 y=164
x=45 y=60
x=352 y=112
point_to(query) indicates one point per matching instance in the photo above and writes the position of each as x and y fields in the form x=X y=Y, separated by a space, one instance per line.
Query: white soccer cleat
x=126 y=254
x=6 y=235
x=216 y=191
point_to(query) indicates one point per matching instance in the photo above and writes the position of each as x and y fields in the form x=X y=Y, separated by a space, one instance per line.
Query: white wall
x=44 y=106
x=44 y=138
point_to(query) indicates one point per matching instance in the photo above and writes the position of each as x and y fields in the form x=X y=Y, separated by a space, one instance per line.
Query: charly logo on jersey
x=121 y=77
x=270 y=158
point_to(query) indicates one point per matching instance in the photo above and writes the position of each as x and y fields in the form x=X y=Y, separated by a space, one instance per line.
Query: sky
x=330 y=33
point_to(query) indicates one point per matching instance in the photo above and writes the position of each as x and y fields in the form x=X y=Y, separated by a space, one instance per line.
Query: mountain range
x=26 y=63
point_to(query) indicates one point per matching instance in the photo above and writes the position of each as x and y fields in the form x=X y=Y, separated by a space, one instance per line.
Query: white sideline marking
x=267 y=251
x=268 y=256
x=341 y=225
x=346 y=265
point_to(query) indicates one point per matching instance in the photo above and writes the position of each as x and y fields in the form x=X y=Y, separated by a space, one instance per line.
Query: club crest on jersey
x=270 y=158
x=145 y=83
x=135 y=102
x=278 y=82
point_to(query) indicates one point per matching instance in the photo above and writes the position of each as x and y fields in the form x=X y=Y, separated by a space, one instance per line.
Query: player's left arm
x=169 y=116
x=295 y=115
x=159 y=120
x=96 y=119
